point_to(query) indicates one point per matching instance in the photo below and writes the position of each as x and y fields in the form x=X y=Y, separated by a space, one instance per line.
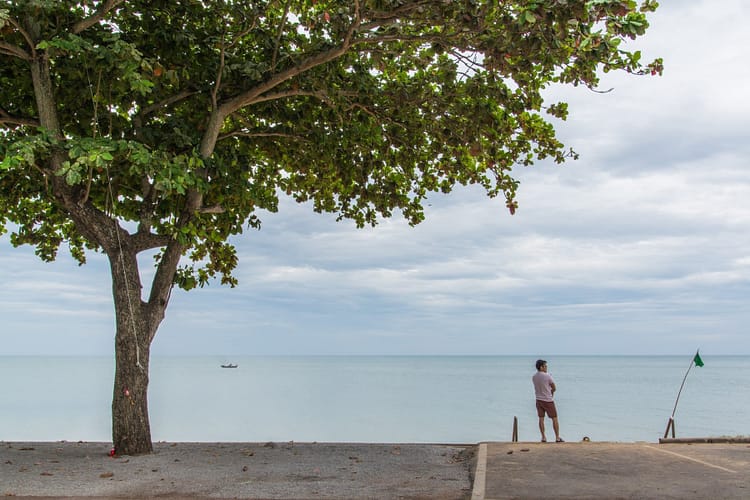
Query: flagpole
x=681 y=386
x=671 y=418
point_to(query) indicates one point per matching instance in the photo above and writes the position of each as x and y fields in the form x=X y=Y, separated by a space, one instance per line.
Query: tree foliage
x=362 y=107
x=169 y=125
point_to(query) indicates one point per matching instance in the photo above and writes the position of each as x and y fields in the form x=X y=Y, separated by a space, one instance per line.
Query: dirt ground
x=239 y=470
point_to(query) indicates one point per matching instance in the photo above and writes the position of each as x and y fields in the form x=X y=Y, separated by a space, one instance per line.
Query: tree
x=130 y=126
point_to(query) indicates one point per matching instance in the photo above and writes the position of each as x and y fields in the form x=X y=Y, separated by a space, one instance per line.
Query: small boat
x=230 y=365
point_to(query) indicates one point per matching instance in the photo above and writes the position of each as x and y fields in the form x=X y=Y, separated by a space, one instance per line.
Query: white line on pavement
x=693 y=459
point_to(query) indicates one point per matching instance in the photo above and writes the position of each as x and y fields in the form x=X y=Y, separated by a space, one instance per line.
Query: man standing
x=544 y=388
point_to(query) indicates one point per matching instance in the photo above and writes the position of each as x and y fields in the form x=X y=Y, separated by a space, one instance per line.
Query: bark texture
x=131 y=431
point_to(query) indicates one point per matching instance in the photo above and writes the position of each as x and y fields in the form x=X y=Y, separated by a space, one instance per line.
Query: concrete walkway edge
x=480 y=474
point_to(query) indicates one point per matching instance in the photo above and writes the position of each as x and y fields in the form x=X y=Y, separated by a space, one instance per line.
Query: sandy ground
x=239 y=470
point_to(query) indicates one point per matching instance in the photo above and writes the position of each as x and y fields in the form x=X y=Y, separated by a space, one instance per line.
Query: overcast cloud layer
x=642 y=246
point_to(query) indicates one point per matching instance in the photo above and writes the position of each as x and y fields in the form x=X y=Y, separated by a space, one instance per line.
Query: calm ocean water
x=446 y=399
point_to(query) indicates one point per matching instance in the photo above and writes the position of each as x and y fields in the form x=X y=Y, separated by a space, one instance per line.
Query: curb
x=480 y=475
x=722 y=440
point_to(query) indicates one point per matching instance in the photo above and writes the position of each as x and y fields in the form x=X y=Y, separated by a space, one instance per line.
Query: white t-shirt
x=543 y=386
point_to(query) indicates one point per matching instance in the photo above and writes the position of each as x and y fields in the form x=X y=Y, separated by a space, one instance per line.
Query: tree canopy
x=168 y=125
x=186 y=117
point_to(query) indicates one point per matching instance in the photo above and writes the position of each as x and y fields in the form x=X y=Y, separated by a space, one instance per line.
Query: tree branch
x=215 y=209
x=12 y=50
x=253 y=95
x=166 y=102
x=216 y=120
x=278 y=37
x=138 y=118
x=242 y=133
x=146 y=240
x=7 y=119
x=256 y=94
x=217 y=85
x=26 y=36
x=161 y=285
x=148 y=193
x=97 y=16
x=323 y=96
x=222 y=57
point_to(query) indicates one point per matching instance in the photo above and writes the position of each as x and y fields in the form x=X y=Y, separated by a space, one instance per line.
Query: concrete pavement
x=489 y=471
x=612 y=471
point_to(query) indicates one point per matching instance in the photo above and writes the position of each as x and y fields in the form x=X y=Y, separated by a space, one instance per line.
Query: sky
x=642 y=246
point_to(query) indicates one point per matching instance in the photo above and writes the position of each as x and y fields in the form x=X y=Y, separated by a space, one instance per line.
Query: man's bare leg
x=556 y=427
x=541 y=429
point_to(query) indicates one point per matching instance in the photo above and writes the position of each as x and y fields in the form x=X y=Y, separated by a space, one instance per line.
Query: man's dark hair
x=540 y=363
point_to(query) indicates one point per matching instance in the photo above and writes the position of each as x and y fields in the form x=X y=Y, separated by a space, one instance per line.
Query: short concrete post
x=670 y=425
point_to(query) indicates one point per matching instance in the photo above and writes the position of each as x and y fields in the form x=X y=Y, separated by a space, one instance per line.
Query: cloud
x=639 y=247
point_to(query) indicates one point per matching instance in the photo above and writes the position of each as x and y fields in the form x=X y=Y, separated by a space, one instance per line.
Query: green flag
x=697 y=359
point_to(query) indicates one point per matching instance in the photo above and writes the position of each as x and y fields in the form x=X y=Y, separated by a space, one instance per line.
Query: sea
x=380 y=399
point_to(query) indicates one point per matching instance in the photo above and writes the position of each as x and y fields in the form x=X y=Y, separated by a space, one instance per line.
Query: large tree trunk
x=131 y=431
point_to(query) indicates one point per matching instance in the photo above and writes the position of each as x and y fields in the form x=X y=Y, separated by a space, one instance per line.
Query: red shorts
x=548 y=407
